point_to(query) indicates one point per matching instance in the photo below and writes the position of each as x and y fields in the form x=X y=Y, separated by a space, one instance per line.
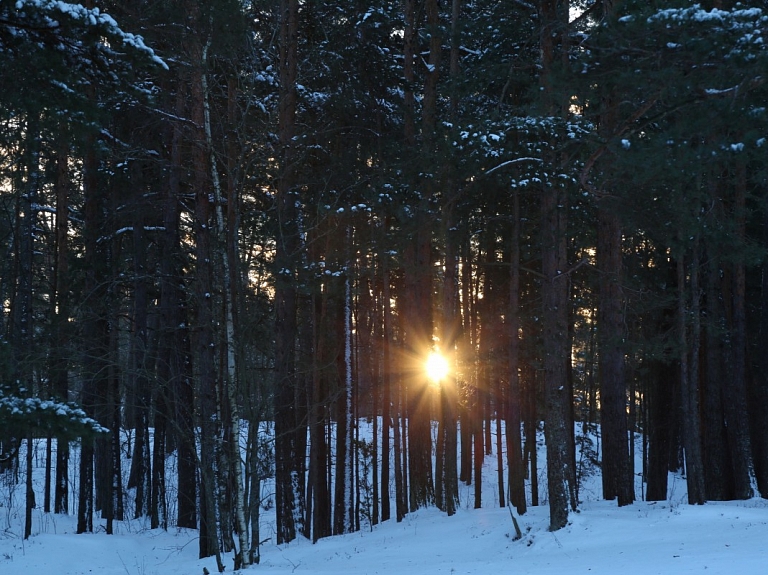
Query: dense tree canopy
x=232 y=229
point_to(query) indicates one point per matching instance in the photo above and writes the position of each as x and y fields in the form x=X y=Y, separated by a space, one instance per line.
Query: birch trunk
x=230 y=382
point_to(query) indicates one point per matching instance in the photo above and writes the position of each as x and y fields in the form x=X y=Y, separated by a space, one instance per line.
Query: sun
x=436 y=367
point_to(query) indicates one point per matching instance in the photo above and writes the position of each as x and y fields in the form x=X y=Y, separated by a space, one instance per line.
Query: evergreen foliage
x=225 y=211
x=23 y=416
x=54 y=54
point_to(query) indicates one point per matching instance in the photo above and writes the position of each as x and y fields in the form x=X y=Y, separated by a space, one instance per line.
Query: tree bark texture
x=515 y=465
x=617 y=478
x=288 y=482
x=690 y=396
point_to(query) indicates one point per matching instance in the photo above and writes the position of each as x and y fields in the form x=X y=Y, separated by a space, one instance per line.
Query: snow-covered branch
x=510 y=162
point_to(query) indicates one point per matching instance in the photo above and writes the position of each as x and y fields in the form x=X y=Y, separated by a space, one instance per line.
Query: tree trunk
x=418 y=270
x=401 y=497
x=173 y=364
x=386 y=392
x=499 y=445
x=140 y=476
x=555 y=337
x=616 y=465
x=343 y=520
x=48 y=471
x=450 y=339
x=30 y=491
x=531 y=426
x=617 y=479
x=28 y=199
x=93 y=336
x=318 y=422
x=350 y=523
x=660 y=407
x=690 y=390
x=115 y=509
x=515 y=466
x=59 y=363
x=158 y=514
x=288 y=481
x=418 y=337
x=664 y=409
x=735 y=385
x=229 y=396
x=448 y=478
x=718 y=479
x=203 y=339
x=255 y=470
x=466 y=354
x=554 y=207
x=205 y=376
x=759 y=388
x=478 y=453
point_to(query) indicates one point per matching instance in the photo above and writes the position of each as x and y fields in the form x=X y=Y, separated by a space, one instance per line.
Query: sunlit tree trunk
x=401 y=469
x=451 y=324
x=386 y=392
x=447 y=476
x=466 y=354
x=418 y=336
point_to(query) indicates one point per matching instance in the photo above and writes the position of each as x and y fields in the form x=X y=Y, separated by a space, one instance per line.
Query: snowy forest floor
x=644 y=538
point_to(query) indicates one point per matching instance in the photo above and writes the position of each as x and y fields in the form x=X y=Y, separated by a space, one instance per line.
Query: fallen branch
x=518 y=533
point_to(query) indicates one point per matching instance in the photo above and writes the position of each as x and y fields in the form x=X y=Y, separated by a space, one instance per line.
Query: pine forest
x=232 y=231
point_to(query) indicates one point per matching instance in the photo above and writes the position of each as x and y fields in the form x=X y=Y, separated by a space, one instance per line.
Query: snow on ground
x=645 y=538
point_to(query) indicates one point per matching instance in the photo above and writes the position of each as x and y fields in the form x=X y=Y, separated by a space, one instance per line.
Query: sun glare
x=437 y=367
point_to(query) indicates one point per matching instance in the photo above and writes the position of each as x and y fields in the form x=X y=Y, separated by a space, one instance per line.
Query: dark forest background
x=232 y=229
